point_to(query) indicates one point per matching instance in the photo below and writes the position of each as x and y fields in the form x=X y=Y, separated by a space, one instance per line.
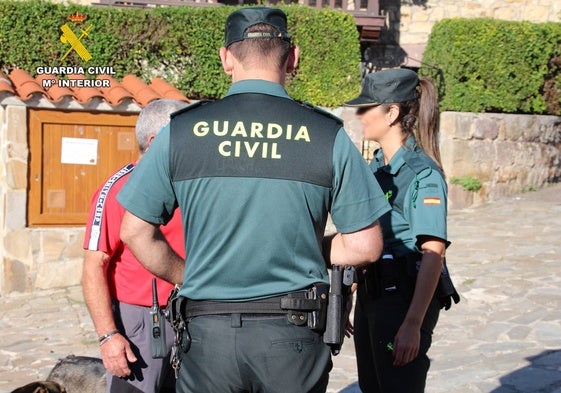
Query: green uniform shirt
x=416 y=189
x=249 y=235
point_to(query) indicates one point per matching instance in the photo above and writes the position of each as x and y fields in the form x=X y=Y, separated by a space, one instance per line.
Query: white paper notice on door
x=78 y=151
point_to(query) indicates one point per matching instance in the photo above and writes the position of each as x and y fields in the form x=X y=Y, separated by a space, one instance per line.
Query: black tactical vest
x=253 y=135
x=416 y=161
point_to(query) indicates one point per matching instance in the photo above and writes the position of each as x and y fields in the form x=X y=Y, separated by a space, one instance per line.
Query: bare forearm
x=156 y=256
x=427 y=280
x=115 y=350
x=357 y=248
x=96 y=292
x=149 y=246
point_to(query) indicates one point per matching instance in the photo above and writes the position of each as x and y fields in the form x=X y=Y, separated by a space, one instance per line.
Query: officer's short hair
x=239 y=23
x=270 y=52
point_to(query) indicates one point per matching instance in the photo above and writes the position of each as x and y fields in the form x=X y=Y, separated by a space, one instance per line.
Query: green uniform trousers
x=265 y=354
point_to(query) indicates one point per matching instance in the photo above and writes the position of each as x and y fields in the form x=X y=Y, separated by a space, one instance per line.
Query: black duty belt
x=277 y=305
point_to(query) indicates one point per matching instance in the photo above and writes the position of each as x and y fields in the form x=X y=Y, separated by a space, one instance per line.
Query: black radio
x=157 y=326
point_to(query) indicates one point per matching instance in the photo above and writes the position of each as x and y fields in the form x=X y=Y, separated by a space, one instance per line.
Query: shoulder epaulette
x=419 y=162
x=190 y=107
x=322 y=112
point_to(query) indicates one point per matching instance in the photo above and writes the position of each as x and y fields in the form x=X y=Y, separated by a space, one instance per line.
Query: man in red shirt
x=117 y=288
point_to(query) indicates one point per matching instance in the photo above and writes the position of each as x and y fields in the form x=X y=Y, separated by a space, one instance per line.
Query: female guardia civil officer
x=396 y=309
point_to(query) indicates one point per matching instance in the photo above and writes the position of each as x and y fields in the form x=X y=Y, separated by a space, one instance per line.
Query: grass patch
x=467 y=182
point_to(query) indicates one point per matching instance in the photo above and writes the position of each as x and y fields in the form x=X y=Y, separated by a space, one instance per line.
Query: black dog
x=79 y=374
x=41 y=387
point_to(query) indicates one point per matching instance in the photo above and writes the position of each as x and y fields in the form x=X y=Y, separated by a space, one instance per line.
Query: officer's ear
x=227 y=61
x=293 y=57
x=393 y=113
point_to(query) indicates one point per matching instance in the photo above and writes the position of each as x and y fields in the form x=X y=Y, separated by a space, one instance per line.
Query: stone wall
x=507 y=153
x=409 y=23
x=32 y=258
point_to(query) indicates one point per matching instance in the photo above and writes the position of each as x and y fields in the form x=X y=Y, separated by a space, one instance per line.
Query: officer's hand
x=116 y=354
x=406 y=344
x=349 y=329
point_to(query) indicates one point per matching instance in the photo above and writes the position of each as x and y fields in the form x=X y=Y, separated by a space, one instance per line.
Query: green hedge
x=486 y=65
x=181 y=45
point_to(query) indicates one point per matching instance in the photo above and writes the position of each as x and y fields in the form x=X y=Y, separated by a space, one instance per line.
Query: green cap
x=239 y=21
x=387 y=86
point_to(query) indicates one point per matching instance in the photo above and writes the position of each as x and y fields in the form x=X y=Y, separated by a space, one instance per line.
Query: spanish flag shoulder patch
x=431 y=201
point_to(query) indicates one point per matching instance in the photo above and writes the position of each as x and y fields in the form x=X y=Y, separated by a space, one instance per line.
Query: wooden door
x=71 y=154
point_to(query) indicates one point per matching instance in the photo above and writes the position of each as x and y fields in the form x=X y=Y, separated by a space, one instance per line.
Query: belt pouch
x=317 y=318
x=445 y=290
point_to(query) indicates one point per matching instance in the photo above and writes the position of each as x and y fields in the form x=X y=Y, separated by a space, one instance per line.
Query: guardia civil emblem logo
x=68 y=37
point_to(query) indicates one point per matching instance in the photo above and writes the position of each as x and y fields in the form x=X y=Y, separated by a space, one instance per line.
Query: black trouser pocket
x=388 y=276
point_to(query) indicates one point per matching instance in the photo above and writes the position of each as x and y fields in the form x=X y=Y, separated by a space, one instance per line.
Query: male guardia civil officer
x=255 y=175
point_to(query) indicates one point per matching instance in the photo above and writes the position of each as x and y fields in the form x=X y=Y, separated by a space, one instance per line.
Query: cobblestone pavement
x=503 y=337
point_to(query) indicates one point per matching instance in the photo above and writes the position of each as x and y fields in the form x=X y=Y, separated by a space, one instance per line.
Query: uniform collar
x=398 y=159
x=258 y=86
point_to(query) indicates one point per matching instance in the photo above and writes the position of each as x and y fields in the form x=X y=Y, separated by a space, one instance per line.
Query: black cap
x=387 y=86
x=239 y=21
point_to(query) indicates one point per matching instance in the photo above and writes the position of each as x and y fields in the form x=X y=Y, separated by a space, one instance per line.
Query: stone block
x=521 y=128
x=473 y=10
x=504 y=13
x=485 y=128
x=36 y=244
x=447 y=125
x=53 y=245
x=507 y=174
x=549 y=129
x=2 y=119
x=536 y=13
x=482 y=160
x=451 y=10
x=423 y=27
x=437 y=13
x=552 y=160
x=504 y=153
x=456 y=157
x=2 y=207
x=16 y=121
x=16 y=276
x=16 y=175
x=16 y=209
x=17 y=244
x=529 y=155
x=74 y=247
x=481 y=196
x=536 y=178
x=59 y=274
x=458 y=197
x=17 y=151
x=457 y=124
